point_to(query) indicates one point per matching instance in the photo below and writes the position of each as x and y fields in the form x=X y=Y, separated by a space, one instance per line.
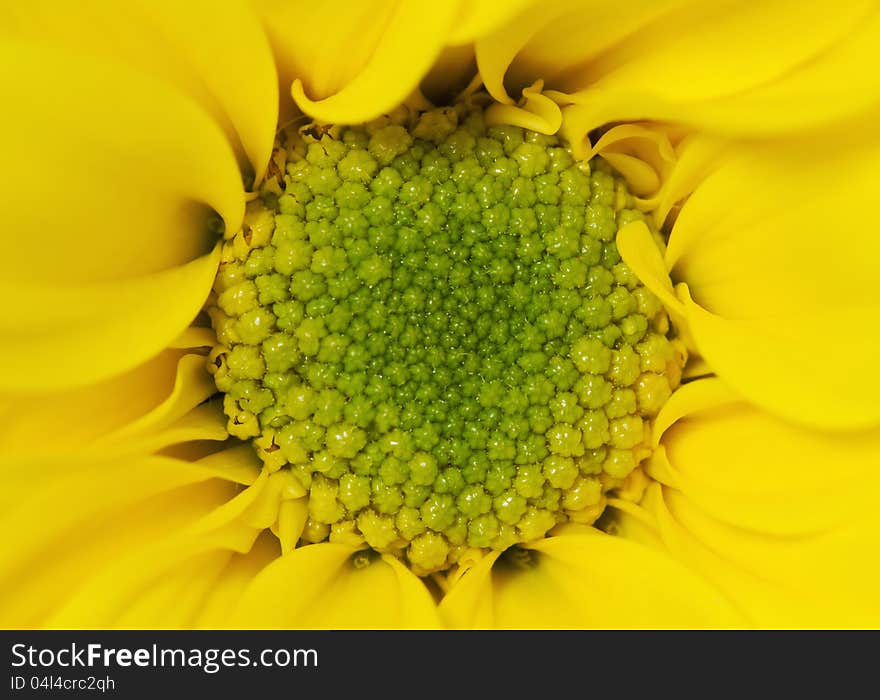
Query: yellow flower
x=746 y=133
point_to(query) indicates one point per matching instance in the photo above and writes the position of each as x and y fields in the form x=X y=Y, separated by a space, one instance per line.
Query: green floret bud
x=652 y=391
x=584 y=492
x=565 y=440
x=438 y=511
x=239 y=299
x=560 y=472
x=354 y=492
x=245 y=362
x=427 y=323
x=323 y=504
x=378 y=530
x=619 y=463
x=345 y=440
x=627 y=432
x=428 y=552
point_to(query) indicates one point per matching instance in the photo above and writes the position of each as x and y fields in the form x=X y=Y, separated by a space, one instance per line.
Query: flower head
x=528 y=315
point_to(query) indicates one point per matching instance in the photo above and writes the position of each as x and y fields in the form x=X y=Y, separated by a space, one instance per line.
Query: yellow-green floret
x=427 y=321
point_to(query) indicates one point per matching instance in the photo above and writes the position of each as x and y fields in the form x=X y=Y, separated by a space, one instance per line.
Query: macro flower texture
x=483 y=314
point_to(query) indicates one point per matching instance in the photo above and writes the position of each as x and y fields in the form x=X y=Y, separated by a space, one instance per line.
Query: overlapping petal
x=65 y=526
x=213 y=53
x=728 y=68
x=137 y=132
x=325 y=586
x=146 y=408
x=585 y=579
x=109 y=182
x=778 y=262
x=779 y=517
x=359 y=60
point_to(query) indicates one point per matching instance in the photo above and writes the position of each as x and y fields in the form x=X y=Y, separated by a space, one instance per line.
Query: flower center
x=427 y=321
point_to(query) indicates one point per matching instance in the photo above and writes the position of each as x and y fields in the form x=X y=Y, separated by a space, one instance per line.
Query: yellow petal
x=135 y=165
x=197 y=434
x=783 y=227
x=163 y=592
x=817 y=367
x=753 y=470
x=778 y=267
x=827 y=579
x=587 y=581
x=215 y=53
x=452 y=72
x=535 y=112
x=111 y=267
x=360 y=61
x=152 y=538
x=292 y=517
x=469 y=603
x=64 y=525
x=546 y=39
x=639 y=250
x=319 y=586
x=64 y=337
x=480 y=17
x=695 y=155
x=642 y=154
x=169 y=383
x=238 y=463
x=696 y=396
x=195 y=337
x=229 y=585
x=684 y=62
x=168 y=583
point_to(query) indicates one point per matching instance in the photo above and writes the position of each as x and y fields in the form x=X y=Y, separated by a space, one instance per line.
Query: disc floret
x=426 y=320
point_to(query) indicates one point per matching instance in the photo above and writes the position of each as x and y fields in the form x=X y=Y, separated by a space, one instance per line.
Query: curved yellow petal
x=826 y=579
x=170 y=583
x=215 y=53
x=34 y=426
x=64 y=337
x=777 y=228
x=292 y=518
x=753 y=470
x=194 y=337
x=197 y=434
x=778 y=296
x=641 y=153
x=320 y=586
x=452 y=73
x=136 y=167
x=535 y=111
x=238 y=463
x=469 y=603
x=65 y=524
x=360 y=61
x=684 y=62
x=192 y=386
x=816 y=367
x=546 y=39
x=112 y=267
x=480 y=17
x=696 y=396
x=156 y=591
x=587 y=581
x=640 y=252
x=695 y=155
x=227 y=588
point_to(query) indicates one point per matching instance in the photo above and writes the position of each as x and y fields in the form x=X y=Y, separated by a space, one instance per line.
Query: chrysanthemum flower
x=511 y=314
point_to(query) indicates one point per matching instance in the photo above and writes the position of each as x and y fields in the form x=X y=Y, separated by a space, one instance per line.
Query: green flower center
x=427 y=321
